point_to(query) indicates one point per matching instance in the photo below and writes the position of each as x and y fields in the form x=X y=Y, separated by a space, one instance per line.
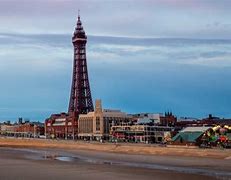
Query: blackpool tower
x=80 y=98
x=65 y=125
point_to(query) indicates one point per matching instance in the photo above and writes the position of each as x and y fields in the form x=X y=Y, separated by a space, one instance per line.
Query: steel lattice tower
x=80 y=98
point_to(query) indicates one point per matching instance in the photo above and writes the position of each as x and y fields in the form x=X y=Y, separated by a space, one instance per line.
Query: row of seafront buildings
x=116 y=126
x=22 y=128
x=112 y=125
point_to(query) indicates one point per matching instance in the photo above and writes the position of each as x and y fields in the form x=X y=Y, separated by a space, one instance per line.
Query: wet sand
x=23 y=165
x=117 y=148
x=46 y=162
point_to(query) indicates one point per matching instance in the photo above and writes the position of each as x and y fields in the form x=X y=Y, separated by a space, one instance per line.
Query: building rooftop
x=196 y=129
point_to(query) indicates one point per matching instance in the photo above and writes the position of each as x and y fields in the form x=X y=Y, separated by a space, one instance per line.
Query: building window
x=97 y=123
x=107 y=125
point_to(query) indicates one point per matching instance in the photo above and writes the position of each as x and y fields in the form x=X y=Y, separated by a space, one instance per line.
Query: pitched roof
x=187 y=136
x=195 y=129
x=190 y=134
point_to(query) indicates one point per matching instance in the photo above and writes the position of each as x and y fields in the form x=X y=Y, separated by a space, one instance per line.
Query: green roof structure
x=190 y=134
x=187 y=136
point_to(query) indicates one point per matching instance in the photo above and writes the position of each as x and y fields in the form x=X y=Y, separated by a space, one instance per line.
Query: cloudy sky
x=146 y=18
x=143 y=56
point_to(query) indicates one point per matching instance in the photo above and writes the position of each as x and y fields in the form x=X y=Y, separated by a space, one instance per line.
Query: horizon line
x=113 y=36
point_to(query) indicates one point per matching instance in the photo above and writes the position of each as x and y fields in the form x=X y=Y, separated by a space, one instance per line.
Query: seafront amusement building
x=66 y=124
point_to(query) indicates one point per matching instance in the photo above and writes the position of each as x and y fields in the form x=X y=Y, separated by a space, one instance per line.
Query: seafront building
x=60 y=126
x=191 y=135
x=22 y=129
x=166 y=119
x=94 y=125
x=97 y=125
x=141 y=133
x=147 y=117
x=7 y=129
x=204 y=136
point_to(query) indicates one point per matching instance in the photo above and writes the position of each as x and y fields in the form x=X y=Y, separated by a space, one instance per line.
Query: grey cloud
x=135 y=18
x=167 y=50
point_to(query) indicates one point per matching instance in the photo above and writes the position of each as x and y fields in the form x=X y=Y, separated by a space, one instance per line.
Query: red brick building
x=62 y=126
x=168 y=120
x=29 y=129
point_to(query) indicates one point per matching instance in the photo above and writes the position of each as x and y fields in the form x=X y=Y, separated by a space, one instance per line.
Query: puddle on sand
x=65 y=158
x=60 y=158
x=75 y=159
x=95 y=161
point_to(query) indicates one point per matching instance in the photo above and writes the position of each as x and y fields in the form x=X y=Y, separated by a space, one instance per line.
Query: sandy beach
x=47 y=159
x=146 y=149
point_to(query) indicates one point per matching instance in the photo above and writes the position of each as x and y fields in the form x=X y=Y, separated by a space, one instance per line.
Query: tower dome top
x=79 y=31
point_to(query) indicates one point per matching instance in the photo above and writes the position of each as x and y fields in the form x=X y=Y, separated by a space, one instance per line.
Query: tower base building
x=61 y=126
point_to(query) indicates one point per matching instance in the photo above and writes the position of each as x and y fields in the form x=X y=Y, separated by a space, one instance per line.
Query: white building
x=149 y=117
